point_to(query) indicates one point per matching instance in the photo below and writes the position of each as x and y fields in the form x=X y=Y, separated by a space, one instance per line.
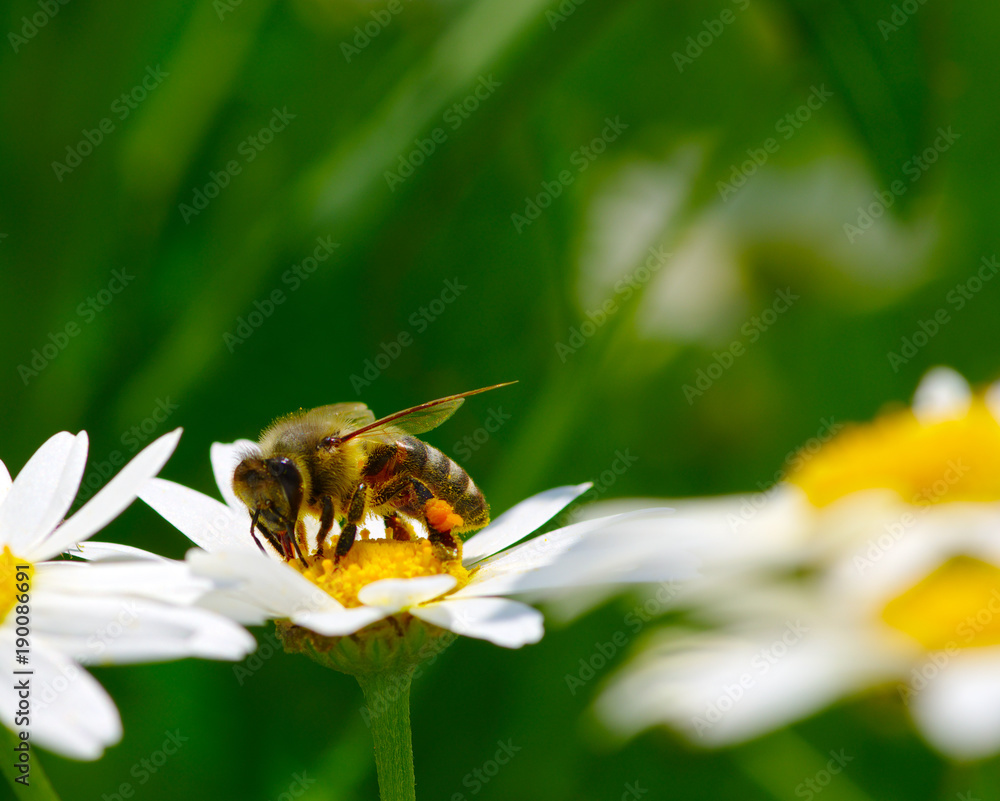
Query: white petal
x=547 y=548
x=643 y=549
x=168 y=581
x=205 y=521
x=958 y=710
x=126 y=629
x=548 y=562
x=66 y=486
x=761 y=533
x=5 y=482
x=395 y=594
x=225 y=457
x=519 y=521
x=943 y=394
x=69 y=483
x=71 y=713
x=339 y=622
x=896 y=545
x=255 y=579
x=249 y=581
x=768 y=526
x=720 y=689
x=237 y=606
x=498 y=620
x=94 y=551
x=111 y=501
x=39 y=491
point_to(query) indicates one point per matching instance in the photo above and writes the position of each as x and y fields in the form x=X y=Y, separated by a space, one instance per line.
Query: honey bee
x=339 y=463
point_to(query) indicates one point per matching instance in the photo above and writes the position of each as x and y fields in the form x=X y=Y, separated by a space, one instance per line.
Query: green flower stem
x=383 y=658
x=40 y=788
x=387 y=695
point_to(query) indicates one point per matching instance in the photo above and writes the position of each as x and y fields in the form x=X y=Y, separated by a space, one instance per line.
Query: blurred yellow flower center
x=372 y=560
x=956 y=606
x=925 y=463
x=9 y=580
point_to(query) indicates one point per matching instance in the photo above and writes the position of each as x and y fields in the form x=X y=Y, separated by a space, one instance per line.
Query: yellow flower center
x=938 y=462
x=956 y=606
x=372 y=560
x=9 y=580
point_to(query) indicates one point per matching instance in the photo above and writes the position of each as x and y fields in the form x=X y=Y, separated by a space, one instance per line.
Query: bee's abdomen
x=449 y=482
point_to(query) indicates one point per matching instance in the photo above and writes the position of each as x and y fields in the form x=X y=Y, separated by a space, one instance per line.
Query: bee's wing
x=343 y=416
x=418 y=419
x=356 y=413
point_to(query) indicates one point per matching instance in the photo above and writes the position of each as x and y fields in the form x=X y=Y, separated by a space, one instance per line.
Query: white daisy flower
x=77 y=613
x=877 y=561
x=382 y=579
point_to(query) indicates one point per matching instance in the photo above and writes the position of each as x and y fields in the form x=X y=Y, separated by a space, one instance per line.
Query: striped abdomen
x=445 y=480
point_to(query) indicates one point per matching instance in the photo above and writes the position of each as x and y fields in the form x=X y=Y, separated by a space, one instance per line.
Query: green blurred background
x=743 y=138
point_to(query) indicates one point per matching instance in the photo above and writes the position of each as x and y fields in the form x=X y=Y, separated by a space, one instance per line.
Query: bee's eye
x=282 y=468
x=284 y=471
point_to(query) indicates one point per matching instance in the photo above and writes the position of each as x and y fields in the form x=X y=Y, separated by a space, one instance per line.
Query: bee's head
x=271 y=489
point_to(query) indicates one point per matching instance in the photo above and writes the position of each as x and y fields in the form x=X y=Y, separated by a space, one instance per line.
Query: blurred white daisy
x=77 y=613
x=385 y=579
x=876 y=562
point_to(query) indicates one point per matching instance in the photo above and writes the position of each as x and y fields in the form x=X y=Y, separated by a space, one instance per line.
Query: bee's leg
x=411 y=496
x=447 y=543
x=441 y=519
x=401 y=494
x=379 y=460
x=400 y=528
x=325 y=524
x=355 y=515
x=396 y=493
x=438 y=515
x=301 y=541
x=298 y=550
